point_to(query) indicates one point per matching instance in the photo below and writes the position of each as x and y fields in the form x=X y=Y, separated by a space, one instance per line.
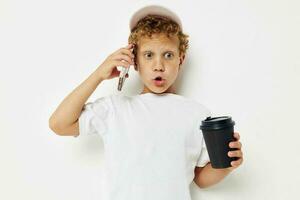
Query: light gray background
x=243 y=61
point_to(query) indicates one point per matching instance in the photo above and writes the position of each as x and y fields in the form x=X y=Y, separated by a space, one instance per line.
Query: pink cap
x=153 y=10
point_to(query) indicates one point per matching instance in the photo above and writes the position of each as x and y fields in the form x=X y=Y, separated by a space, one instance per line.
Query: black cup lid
x=213 y=123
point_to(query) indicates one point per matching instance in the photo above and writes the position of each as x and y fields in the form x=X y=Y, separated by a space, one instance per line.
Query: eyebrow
x=164 y=51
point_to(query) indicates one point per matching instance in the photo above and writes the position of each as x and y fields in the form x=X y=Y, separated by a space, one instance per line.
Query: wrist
x=99 y=75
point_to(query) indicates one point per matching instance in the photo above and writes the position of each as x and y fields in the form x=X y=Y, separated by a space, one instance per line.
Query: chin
x=160 y=90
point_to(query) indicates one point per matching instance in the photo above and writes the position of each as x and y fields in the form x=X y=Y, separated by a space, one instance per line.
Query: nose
x=158 y=65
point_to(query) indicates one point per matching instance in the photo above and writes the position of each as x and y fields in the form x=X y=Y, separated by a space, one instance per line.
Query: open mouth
x=158 y=78
x=158 y=81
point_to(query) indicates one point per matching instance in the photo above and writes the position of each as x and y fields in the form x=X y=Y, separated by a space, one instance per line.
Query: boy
x=153 y=145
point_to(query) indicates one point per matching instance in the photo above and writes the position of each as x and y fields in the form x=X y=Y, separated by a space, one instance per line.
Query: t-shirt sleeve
x=204 y=157
x=95 y=116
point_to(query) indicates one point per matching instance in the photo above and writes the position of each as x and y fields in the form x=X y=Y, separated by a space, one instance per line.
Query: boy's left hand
x=236 y=153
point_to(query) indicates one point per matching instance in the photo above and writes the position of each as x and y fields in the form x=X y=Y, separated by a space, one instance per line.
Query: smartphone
x=125 y=70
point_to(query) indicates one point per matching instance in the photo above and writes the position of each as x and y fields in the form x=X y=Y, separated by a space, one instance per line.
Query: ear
x=135 y=67
x=181 y=59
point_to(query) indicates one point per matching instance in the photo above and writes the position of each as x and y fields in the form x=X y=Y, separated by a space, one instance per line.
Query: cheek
x=174 y=73
x=143 y=72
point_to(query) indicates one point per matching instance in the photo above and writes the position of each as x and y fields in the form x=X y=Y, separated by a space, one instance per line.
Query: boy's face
x=158 y=56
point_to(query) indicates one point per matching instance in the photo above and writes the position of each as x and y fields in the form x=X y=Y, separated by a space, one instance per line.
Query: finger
x=236 y=135
x=234 y=164
x=237 y=153
x=126 y=52
x=120 y=63
x=235 y=145
x=237 y=163
x=130 y=45
x=126 y=58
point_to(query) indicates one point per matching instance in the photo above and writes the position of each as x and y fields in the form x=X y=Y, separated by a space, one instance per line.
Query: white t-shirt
x=152 y=143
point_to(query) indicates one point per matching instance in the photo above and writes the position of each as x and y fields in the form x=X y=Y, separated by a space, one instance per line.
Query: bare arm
x=64 y=121
x=207 y=176
x=67 y=113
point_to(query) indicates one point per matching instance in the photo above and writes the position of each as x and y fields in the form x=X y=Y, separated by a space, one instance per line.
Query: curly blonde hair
x=152 y=24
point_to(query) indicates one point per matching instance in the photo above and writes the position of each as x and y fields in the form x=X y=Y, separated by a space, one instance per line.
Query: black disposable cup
x=218 y=133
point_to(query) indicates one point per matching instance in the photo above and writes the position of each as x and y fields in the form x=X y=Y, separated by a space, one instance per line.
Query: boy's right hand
x=122 y=57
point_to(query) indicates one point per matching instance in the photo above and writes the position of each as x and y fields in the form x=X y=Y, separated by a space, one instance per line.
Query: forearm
x=70 y=108
x=210 y=176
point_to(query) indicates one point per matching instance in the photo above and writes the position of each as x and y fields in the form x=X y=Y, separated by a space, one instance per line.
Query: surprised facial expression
x=158 y=56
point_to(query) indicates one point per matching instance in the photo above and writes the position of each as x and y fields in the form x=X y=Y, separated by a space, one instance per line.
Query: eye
x=148 y=55
x=168 y=55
